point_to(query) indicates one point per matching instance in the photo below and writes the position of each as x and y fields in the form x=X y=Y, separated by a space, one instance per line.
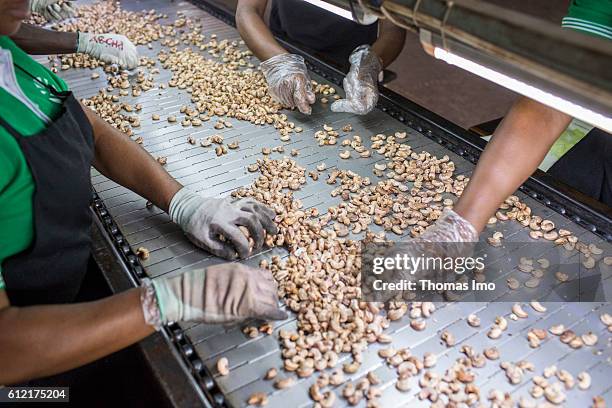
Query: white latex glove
x=110 y=48
x=53 y=10
x=223 y=293
x=204 y=219
x=361 y=83
x=450 y=227
x=288 y=81
x=450 y=236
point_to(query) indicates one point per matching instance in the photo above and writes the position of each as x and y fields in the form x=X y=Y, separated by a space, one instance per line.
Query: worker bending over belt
x=520 y=143
x=48 y=142
x=368 y=49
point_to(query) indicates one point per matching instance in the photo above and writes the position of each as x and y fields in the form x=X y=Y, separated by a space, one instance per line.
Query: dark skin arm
x=81 y=333
x=515 y=151
x=253 y=29
x=125 y=162
x=40 y=41
x=76 y=334
x=389 y=43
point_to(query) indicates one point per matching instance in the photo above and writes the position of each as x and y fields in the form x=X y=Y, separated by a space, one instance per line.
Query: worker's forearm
x=38 y=341
x=515 y=151
x=35 y=40
x=125 y=162
x=256 y=34
x=389 y=43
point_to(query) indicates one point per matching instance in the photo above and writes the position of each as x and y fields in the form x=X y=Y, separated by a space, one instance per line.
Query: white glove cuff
x=367 y=63
x=281 y=65
x=451 y=227
x=150 y=308
x=182 y=206
x=82 y=40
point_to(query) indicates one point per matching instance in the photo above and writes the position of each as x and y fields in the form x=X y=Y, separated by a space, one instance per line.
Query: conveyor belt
x=201 y=170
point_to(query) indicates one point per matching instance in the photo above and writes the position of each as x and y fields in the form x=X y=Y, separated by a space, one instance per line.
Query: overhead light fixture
x=339 y=11
x=556 y=102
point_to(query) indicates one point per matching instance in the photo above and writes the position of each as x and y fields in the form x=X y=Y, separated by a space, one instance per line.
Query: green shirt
x=16 y=183
x=591 y=17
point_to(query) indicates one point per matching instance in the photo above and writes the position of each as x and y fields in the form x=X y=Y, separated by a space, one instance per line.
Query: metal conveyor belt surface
x=201 y=170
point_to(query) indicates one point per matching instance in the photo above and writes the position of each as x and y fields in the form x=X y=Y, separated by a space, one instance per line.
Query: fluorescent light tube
x=339 y=11
x=556 y=102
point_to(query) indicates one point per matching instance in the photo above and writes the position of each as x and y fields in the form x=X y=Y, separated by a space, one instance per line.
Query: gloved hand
x=450 y=228
x=204 y=219
x=361 y=83
x=288 y=81
x=110 y=48
x=223 y=293
x=451 y=236
x=53 y=10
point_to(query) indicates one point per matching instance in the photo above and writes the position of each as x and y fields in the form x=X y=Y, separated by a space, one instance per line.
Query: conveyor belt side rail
x=171 y=331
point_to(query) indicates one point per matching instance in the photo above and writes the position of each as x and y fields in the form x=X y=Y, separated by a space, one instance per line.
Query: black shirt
x=319 y=31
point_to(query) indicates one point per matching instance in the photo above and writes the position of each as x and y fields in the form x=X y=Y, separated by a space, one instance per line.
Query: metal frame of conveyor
x=587 y=213
x=197 y=384
x=562 y=62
